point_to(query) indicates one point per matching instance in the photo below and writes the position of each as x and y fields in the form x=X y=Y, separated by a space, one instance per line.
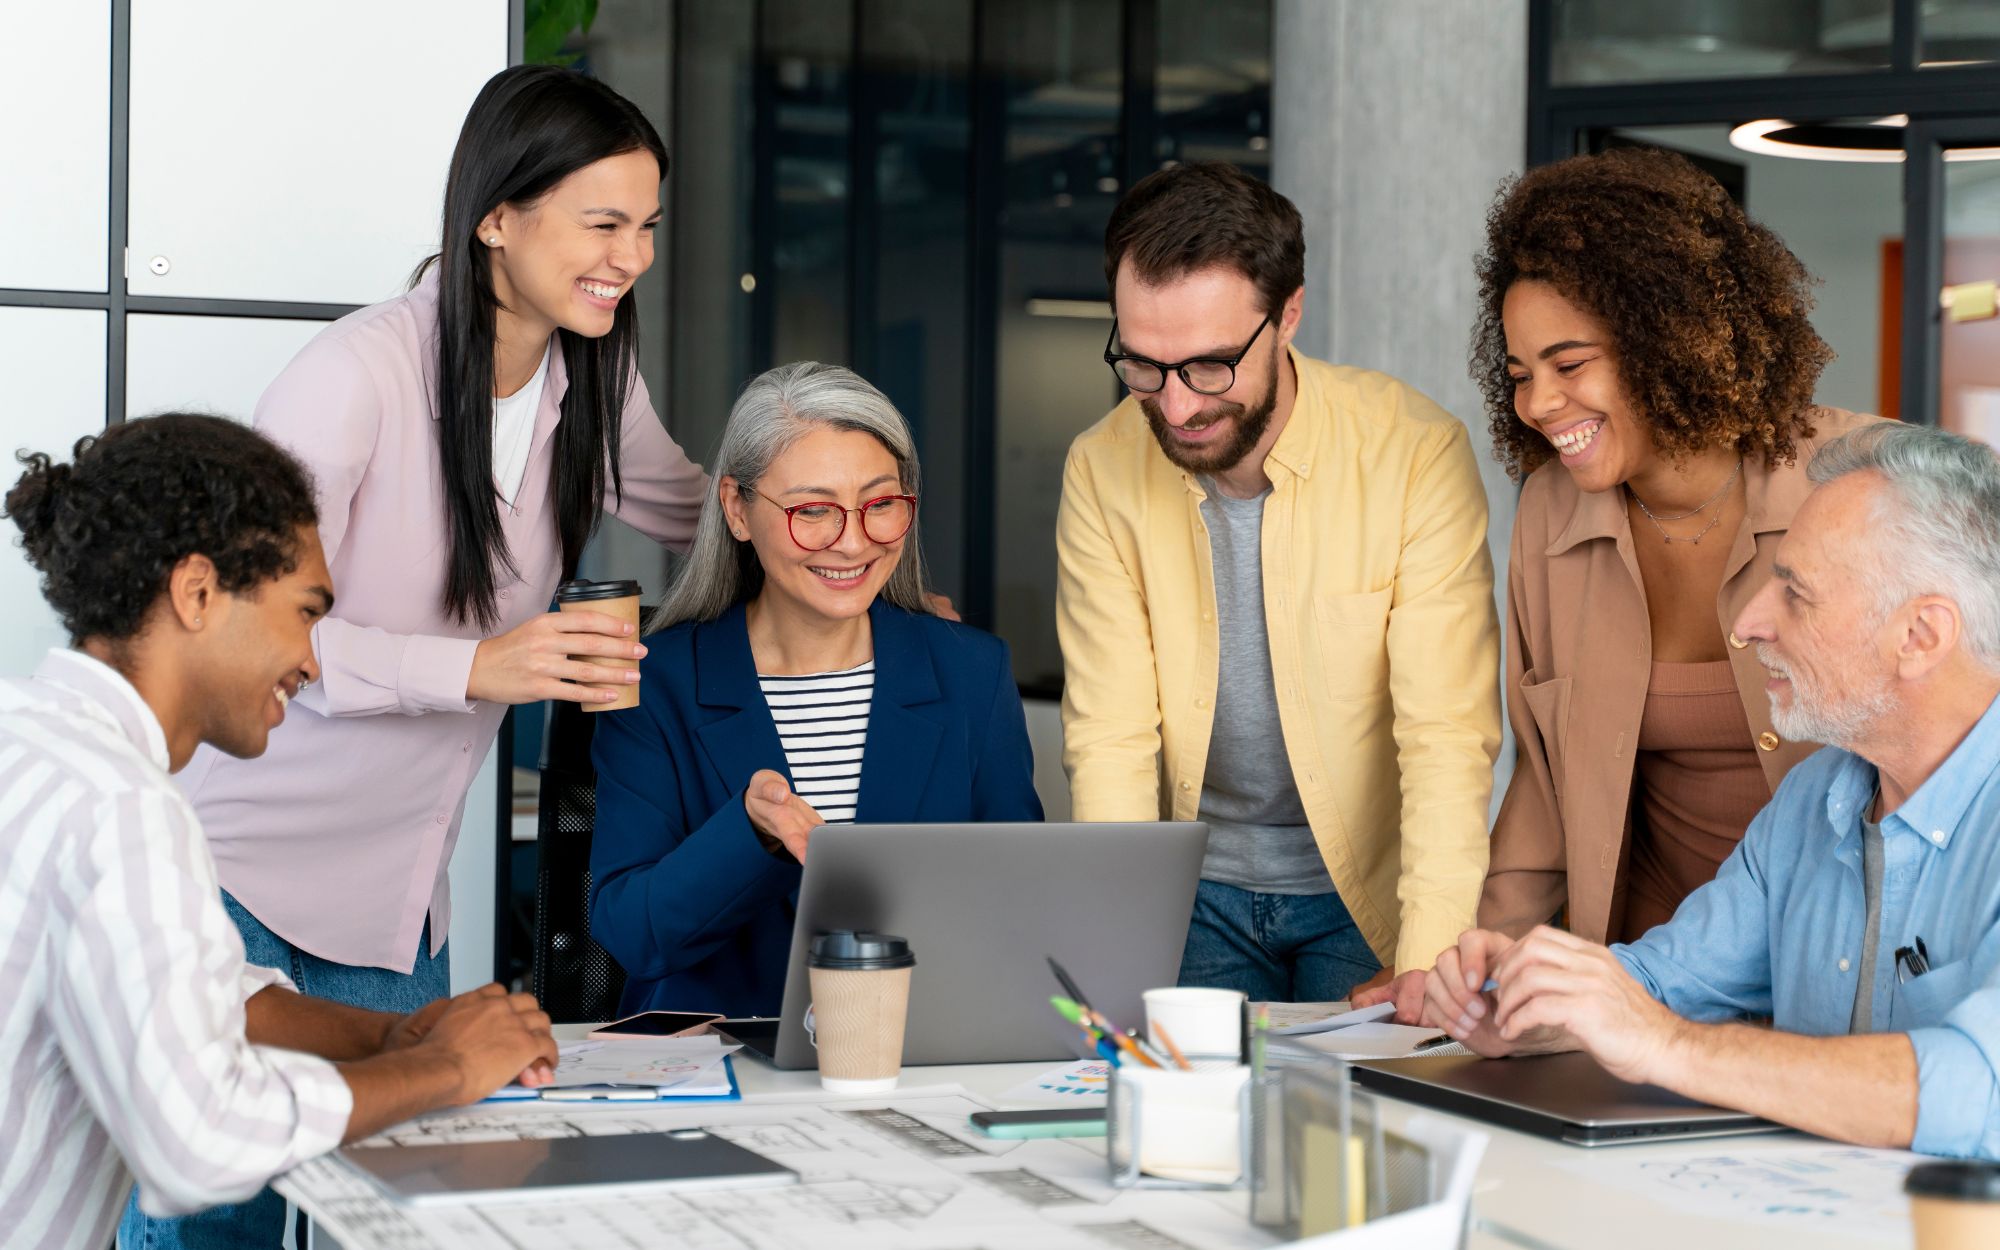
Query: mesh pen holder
x=1168 y=1129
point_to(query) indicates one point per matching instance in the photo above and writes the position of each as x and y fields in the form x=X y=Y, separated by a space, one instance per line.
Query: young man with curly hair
x=182 y=555
x=1276 y=608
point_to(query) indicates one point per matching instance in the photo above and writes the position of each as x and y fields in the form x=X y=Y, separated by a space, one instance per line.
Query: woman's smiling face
x=840 y=468
x=1567 y=388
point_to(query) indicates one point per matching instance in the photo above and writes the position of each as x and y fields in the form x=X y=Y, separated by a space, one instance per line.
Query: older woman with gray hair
x=797 y=678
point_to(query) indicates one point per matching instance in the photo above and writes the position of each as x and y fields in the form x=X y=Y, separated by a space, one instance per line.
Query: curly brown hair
x=1708 y=310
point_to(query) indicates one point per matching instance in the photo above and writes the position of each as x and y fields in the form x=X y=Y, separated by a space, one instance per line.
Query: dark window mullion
x=1906 y=52
x=864 y=146
x=763 y=194
x=985 y=178
x=1923 y=271
x=121 y=162
x=1139 y=114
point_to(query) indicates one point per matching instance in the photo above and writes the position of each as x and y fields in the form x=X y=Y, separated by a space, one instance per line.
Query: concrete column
x=1392 y=123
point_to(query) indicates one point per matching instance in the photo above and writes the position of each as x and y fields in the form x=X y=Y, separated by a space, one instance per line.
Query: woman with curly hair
x=1648 y=368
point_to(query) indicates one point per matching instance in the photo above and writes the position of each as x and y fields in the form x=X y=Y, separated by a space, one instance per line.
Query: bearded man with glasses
x=1276 y=611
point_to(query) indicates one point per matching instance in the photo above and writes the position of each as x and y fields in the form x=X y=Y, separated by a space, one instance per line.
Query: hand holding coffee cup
x=620 y=601
x=860 y=1001
x=588 y=653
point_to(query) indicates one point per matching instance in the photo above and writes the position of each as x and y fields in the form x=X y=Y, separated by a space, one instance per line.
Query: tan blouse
x=1578 y=667
x=1699 y=785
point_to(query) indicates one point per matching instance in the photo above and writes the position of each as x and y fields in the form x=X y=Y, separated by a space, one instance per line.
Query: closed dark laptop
x=1568 y=1097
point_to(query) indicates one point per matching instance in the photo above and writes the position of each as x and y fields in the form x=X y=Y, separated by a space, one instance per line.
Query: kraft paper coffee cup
x=618 y=599
x=860 y=1000
x=1955 y=1205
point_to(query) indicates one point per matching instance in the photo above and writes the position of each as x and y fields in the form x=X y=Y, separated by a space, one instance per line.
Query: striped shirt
x=822 y=721
x=122 y=982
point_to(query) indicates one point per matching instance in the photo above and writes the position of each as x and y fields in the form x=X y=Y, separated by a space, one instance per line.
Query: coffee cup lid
x=1955 y=1178
x=581 y=590
x=853 y=949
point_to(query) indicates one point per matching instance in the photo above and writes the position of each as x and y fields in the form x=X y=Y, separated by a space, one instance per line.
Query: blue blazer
x=685 y=896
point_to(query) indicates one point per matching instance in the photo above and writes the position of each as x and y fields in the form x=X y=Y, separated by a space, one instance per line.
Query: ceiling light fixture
x=1877 y=142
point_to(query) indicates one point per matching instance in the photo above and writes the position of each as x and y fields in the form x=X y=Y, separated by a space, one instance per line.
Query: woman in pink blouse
x=465 y=439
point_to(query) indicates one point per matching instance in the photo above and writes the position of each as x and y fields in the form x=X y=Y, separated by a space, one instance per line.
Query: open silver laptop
x=1568 y=1097
x=983 y=907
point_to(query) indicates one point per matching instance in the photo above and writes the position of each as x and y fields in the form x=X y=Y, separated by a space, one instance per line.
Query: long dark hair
x=531 y=127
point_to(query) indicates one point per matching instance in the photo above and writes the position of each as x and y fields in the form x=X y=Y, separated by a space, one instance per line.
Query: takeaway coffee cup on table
x=1955 y=1205
x=860 y=999
x=618 y=599
x=1202 y=1022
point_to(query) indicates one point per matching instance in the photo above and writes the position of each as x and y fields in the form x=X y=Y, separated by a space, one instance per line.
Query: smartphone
x=1059 y=1122
x=657 y=1024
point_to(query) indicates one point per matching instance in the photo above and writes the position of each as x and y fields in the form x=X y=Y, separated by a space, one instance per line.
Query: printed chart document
x=1299 y=1019
x=898 y=1172
x=1813 y=1190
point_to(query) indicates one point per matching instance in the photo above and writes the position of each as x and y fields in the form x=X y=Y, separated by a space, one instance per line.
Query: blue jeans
x=1281 y=948
x=259 y=1224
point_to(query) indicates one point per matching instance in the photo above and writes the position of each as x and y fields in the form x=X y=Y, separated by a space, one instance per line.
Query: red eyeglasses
x=818 y=524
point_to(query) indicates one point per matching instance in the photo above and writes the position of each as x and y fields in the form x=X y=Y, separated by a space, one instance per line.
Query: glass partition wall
x=1865 y=132
x=918 y=189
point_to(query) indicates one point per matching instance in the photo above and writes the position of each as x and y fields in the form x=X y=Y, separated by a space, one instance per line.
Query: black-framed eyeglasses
x=818 y=524
x=1204 y=375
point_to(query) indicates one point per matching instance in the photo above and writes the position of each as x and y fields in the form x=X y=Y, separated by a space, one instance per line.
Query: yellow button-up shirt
x=1378 y=601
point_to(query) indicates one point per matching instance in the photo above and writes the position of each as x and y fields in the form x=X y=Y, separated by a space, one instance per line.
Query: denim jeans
x=259 y=1224
x=1282 y=948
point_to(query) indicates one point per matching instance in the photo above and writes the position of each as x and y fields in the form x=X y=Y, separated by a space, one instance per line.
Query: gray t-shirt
x=1258 y=838
x=1863 y=1019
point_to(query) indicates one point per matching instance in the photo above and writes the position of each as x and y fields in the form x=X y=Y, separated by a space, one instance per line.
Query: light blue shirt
x=1780 y=930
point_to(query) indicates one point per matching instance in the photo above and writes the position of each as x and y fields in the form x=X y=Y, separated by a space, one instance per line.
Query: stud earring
x=494 y=240
x=197 y=622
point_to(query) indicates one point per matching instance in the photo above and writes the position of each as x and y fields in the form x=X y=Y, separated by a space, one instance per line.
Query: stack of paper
x=1332 y=1029
x=674 y=1067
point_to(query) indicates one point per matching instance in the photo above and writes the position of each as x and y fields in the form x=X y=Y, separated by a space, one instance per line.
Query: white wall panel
x=206 y=364
x=297 y=151
x=55 y=162
x=54 y=358
x=474 y=903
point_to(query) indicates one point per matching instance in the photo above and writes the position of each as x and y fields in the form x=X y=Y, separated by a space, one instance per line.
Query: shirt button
x=1201 y=702
x=1767 y=741
x=442 y=818
x=1843 y=965
x=1208 y=616
x=1184 y=785
x=1937 y=836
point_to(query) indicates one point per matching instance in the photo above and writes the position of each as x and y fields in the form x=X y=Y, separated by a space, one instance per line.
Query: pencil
x=1167 y=1040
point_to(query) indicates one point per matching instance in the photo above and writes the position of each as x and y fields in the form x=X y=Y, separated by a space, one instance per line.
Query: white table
x=1530 y=1193
x=1527 y=1196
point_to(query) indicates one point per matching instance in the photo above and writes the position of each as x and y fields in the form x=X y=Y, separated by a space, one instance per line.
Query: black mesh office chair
x=575 y=979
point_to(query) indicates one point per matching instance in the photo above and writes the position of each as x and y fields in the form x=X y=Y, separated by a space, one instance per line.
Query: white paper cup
x=1201 y=1021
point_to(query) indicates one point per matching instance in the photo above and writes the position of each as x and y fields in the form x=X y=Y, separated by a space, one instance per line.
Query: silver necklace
x=1713 y=521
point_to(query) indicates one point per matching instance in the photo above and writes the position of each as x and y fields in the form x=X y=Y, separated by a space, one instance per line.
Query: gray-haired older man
x=1861 y=913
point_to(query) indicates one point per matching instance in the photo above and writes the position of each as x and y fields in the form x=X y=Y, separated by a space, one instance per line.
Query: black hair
x=106 y=530
x=530 y=127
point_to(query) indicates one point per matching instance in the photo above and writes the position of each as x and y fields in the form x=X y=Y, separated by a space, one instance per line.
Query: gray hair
x=774 y=411
x=1938 y=524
